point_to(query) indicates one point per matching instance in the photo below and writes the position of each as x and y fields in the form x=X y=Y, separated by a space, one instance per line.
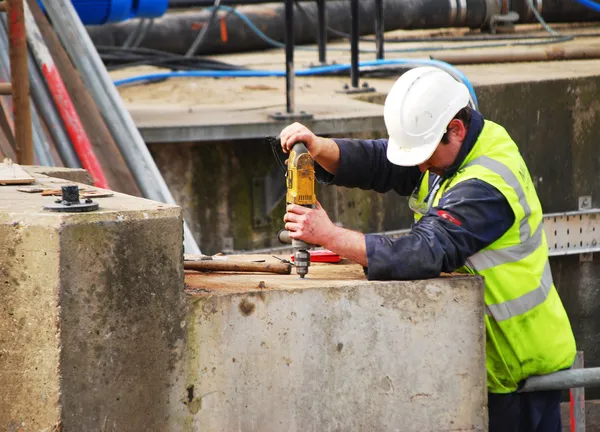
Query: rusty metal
x=20 y=81
x=5 y=89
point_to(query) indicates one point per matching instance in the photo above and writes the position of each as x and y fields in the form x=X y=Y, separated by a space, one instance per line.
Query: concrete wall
x=388 y=356
x=92 y=315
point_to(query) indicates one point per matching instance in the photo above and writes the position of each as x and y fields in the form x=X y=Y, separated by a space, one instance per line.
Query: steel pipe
x=549 y=54
x=355 y=34
x=322 y=34
x=289 y=56
x=20 y=81
x=379 y=29
x=43 y=102
x=563 y=380
x=137 y=156
x=63 y=102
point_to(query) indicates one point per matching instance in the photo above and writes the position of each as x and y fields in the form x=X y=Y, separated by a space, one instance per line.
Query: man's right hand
x=298 y=132
x=324 y=151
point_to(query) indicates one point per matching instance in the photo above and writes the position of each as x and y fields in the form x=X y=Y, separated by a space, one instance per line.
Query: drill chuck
x=301 y=262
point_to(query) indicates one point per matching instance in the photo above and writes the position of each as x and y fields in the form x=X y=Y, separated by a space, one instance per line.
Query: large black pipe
x=176 y=32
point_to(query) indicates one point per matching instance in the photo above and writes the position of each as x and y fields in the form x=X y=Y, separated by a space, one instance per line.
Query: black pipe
x=289 y=55
x=322 y=35
x=355 y=34
x=176 y=32
x=186 y=4
x=379 y=29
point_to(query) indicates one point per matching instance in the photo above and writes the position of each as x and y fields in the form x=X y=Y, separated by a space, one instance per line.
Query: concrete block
x=328 y=354
x=92 y=314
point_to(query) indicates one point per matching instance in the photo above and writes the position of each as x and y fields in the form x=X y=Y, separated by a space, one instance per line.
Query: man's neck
x=473 y=130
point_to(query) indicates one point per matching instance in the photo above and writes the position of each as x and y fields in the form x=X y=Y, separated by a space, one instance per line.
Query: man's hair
x=464 y=115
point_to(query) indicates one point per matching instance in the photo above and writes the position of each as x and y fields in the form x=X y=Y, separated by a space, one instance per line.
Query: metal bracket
x=572 y=233
x=364 y=88
x=292 y=116
x=585 y=202
x=70 y=202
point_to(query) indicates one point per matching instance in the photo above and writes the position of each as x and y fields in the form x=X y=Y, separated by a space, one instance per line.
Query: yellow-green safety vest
x=527 y=328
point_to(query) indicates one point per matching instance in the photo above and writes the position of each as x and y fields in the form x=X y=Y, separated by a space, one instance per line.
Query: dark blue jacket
x=475 y=213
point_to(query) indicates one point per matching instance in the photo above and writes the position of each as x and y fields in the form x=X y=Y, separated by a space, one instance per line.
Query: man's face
x=445 y=153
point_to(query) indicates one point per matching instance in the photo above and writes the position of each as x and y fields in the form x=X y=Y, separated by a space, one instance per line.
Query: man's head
x=426 y=114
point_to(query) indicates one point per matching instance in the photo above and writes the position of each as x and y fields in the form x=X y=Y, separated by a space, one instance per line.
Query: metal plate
x=573 y=232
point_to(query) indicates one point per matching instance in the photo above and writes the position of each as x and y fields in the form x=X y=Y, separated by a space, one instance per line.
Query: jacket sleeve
x=364 y=165
x=470 y=216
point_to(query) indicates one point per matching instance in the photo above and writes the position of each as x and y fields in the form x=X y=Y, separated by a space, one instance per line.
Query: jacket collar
x=475 y=127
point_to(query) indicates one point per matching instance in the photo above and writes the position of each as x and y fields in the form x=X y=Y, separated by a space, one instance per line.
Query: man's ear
x=457 y=129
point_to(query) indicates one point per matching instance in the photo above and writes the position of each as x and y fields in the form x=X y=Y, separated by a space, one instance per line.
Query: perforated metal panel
x=573 y=232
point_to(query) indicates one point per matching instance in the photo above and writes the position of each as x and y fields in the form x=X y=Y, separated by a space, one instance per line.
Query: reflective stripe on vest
x=510 y=179
x=491 y=258
x=526 y=302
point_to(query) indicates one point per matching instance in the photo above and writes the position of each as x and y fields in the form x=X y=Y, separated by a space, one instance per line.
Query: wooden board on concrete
x=11 y=174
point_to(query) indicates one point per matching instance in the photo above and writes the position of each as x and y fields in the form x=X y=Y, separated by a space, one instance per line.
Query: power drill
x=300 y=181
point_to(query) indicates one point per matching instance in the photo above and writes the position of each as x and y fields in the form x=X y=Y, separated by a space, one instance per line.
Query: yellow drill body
x=301 y=190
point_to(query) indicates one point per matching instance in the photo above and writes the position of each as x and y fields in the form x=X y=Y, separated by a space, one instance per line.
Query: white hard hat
x=417 y=111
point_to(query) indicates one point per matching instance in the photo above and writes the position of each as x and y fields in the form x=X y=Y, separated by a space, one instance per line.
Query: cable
x=589 y=4
x=117 y=58
x=322 y=70
x=202 y=34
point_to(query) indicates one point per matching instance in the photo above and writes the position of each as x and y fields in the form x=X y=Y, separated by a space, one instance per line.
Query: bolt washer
x=70 y=202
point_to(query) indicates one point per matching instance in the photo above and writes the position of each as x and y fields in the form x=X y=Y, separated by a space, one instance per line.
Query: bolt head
x=88 y=200
x=57 y=201
x=365 y=85
x=346 y=86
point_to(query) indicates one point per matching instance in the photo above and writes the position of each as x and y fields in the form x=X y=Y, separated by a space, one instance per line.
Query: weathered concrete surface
x=327 y=354
x=92 y=315
x=77 y=175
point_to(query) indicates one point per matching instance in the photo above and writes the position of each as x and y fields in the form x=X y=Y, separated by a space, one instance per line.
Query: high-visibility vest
x=528 y=331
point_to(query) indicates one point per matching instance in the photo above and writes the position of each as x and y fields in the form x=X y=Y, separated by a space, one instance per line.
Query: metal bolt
x=365 y=85
x=346 y=86
x=57 y=201
x=88 y=200
x=70 y=194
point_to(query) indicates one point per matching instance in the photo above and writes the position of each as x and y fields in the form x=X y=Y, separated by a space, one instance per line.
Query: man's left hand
x=310 y=225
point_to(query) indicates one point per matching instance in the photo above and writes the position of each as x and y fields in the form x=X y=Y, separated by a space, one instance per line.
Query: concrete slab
x=335 y=354
x=207 y=109
x=92 y=318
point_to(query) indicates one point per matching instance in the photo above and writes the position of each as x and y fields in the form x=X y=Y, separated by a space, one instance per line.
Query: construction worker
x=476 y=211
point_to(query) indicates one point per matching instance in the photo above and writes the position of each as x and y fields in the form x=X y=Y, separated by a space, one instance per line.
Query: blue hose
x=458 y=75
x=589 y=4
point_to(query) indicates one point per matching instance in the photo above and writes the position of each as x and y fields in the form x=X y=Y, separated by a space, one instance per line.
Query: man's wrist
x=330 y=240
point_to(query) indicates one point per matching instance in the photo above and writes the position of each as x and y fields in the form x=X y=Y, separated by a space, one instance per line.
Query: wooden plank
x=11 y=173
x=115 y=169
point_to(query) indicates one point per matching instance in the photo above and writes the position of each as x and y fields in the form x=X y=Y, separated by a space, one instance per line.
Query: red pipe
x=61 y=98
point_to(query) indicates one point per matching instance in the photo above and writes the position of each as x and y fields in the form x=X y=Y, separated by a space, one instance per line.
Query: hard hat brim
x=406 y=156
